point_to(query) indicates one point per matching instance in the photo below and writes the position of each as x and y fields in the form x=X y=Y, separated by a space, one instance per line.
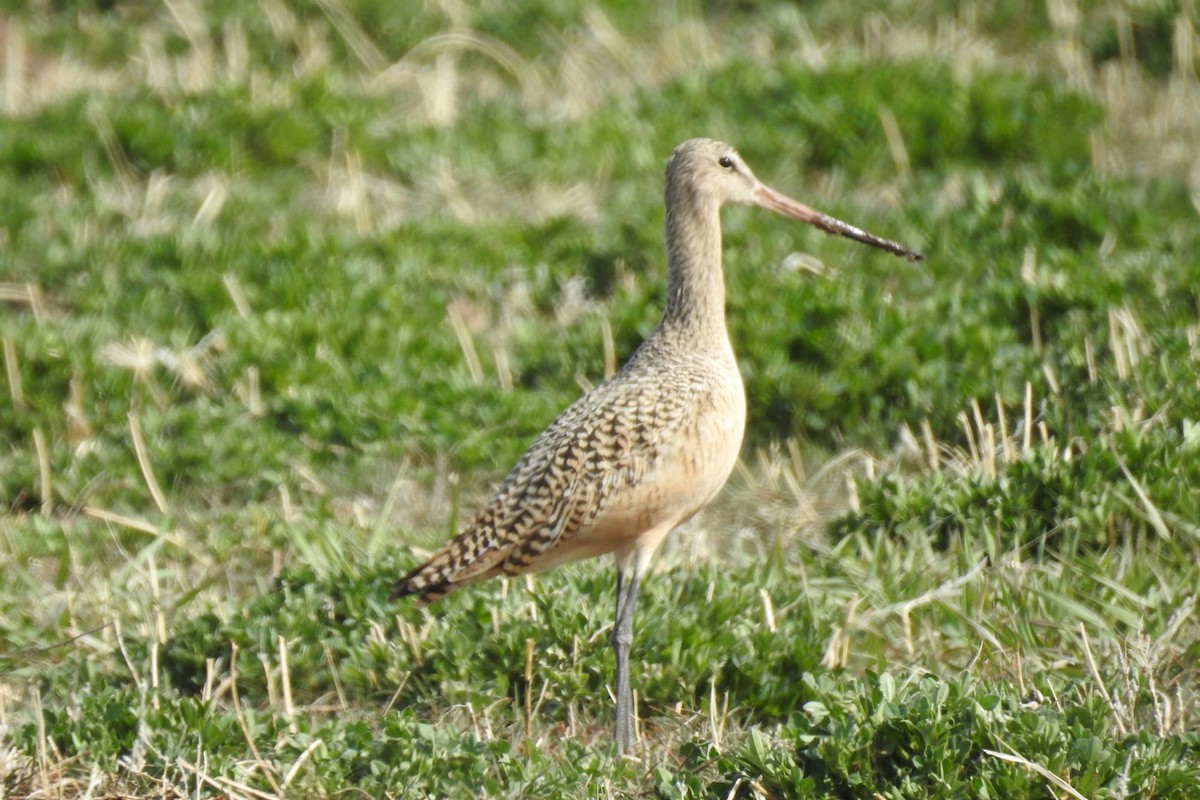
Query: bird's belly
x=691 y=467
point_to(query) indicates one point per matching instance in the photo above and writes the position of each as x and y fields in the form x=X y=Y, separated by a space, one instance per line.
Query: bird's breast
x=688 y=462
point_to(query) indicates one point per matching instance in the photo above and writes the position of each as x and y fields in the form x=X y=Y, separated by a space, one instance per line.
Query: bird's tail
x=468 y=558
x=428 y=582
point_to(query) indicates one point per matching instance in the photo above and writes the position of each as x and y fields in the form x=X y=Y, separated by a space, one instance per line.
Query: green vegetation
x=285 y=287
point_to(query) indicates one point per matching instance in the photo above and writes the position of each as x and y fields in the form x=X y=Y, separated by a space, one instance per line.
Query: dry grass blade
x=13 y=370
x=265 y=769
x=27 y=294
x=294 y=770
x=227 y=786
x=43 y=456
x=143 y=459
x=466 y=342
x=1153 y=516
x=289 y=707
x=947 y=589
x=124 y=520
x=1119 y=713
x=1039 y=769
x=360 y=43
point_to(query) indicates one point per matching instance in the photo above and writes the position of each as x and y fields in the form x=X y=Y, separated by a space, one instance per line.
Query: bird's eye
x=726 y=162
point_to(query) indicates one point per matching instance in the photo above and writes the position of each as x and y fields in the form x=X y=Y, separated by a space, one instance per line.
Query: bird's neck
x=695 y=283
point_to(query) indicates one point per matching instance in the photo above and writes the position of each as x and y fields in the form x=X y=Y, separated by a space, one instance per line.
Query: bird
x=643 y=451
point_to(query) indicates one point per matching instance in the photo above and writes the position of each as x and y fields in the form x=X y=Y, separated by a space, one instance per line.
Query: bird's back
x=624 y=464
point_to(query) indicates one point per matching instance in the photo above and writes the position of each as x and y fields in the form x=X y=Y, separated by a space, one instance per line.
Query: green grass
x=284 y=289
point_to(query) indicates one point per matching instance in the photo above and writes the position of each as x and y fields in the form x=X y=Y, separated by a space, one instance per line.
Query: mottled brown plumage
x=648 y=448
x=620 y=461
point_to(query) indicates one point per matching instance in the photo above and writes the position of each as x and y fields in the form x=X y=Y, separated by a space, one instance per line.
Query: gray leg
x=622 y=639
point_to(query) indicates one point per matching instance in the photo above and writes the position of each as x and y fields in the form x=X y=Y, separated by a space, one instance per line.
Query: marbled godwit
x=648 y=448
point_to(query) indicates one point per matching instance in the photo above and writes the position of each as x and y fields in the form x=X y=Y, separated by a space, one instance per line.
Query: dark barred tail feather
x=424 y=585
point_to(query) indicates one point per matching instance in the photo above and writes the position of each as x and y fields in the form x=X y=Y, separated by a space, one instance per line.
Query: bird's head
x=713 y=173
